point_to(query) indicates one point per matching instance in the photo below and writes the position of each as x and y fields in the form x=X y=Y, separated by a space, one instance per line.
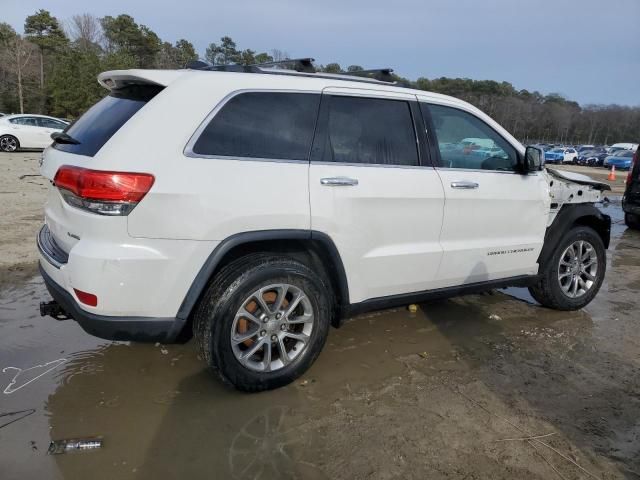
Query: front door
x=495 y=219
x=374 y=193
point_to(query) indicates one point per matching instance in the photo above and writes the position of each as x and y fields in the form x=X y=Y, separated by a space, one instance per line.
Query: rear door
x=374 y=192
x=495 y=219
x=47 y=127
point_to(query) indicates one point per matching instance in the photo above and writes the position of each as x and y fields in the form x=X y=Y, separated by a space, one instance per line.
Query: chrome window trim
x=376 y=165
x=188 y=149
x=479 y=170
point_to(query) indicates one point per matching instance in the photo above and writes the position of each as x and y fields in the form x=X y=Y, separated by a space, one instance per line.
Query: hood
x=579 y=179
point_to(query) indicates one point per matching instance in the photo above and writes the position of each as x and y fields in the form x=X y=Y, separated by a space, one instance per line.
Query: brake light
x=102 y=192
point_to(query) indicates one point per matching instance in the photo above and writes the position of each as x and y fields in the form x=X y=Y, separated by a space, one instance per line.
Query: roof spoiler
x=115 y=79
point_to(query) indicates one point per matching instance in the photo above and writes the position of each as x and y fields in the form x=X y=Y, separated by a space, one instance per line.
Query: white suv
x=257 y=207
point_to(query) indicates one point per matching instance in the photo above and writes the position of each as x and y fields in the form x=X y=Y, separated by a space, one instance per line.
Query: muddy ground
x=451 y=391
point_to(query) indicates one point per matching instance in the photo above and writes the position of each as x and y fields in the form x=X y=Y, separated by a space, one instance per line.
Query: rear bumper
x=139 y=329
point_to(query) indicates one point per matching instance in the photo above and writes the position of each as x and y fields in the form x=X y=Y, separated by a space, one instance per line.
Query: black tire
x=214 y=317
x=632 y=221
x=6 y=140
x=548 y=291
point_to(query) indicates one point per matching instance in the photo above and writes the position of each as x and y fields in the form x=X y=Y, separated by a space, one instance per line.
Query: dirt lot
x=22 y=194
x=456 y=390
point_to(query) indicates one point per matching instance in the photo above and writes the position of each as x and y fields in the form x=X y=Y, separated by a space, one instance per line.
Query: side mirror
x=533 y=159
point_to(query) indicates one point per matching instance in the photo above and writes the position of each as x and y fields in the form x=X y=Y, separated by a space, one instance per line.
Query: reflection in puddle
x=264 y=447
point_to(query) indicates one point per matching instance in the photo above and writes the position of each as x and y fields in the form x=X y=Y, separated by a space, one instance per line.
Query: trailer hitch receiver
x=53 y=309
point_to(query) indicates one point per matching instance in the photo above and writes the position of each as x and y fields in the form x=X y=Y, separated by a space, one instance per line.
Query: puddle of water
x=378 y=384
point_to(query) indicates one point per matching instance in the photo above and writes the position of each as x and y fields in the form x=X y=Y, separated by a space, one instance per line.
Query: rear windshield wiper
x=61 y=137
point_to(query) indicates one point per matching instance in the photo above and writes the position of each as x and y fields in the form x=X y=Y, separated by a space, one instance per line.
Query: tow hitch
x=53 y=309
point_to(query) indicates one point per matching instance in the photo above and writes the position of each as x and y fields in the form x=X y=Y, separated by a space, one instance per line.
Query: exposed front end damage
x=572 y=188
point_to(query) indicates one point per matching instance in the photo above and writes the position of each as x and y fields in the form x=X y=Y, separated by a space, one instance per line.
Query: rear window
x=269 y=125
x=93 y=129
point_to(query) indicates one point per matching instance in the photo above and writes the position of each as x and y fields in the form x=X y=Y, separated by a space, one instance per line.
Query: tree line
x=52 y=67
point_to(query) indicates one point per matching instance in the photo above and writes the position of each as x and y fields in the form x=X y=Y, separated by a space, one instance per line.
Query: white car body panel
x=493 y=231
x=104 y=259
x=386 y=228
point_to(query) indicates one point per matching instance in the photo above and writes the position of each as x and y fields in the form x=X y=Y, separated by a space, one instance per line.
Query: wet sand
x=447 y=392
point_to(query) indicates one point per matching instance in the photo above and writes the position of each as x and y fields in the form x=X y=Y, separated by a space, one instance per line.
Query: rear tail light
x=105 y=193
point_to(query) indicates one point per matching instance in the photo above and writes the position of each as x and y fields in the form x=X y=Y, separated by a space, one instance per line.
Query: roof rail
x=301 y=67
x=298 y=64
x=380 y=74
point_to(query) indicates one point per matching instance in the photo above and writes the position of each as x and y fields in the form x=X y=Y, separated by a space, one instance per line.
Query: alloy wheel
x=272 y=328
x=578 y=269
x=8 y=144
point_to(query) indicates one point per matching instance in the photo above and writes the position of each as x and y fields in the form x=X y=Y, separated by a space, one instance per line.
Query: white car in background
x=570 y=155
x=28 y=131
x=622 y=146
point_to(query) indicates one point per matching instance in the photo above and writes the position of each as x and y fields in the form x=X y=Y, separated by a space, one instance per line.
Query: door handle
x=339 y=181
x=464 y=185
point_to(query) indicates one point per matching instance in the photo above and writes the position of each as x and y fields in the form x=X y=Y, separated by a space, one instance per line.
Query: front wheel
x=263 y=321
x=571 y=278
x=9 y=143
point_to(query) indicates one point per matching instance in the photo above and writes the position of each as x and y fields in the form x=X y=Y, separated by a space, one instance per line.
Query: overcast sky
x=587 y=50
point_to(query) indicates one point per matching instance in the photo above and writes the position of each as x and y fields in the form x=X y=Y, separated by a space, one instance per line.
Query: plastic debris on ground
x=58 y=447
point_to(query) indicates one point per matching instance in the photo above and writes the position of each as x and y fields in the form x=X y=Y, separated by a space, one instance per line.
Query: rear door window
x=51 y=123
x=271 y=125
x=371 y=131
x=93 y=129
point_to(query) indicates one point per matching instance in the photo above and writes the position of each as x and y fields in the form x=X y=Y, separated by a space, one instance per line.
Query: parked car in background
x=560 y=155
x=28 y=131
x=2 y=114
x=584 y=148
x=555 y=155
x=570 y=155
x=631 y=198
x=621 y=160
x=594 y=157
x=623 y=146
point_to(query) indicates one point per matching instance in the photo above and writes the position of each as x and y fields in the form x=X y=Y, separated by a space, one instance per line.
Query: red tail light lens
x=103 y=192
x=86 y=298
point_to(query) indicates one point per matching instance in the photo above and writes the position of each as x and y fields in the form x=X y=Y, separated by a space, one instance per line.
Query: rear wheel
x=9 y=143
x=632 y=221
x=263 y=321
x=571 y=278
